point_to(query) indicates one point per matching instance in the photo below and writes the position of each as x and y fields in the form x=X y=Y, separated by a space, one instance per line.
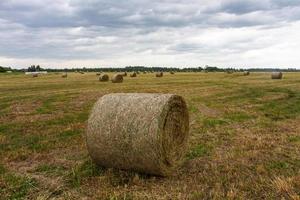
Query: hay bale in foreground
x=103 y=77
x=246 y=73
x=276 y=75
x=159 y=74
x=142 y=132
x=117 y=78
x=133 y=74
x=64 y=75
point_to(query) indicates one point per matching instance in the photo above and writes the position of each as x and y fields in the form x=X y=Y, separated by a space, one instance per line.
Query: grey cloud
x=61 y=29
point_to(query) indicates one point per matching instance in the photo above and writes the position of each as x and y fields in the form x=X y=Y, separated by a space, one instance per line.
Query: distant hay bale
x=133 y=74
x=159 y=74
x=171 y=72
x=276 y=75
x=64 y=75
x=98 y=74
x=81 y=72
x=117 y=78
x=246 y=73
x=123 y=74
x=142 y=132
x=103 y=77
x=35 y=75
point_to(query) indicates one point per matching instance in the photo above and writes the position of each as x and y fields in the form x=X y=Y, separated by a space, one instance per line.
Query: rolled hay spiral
x=159 y=74
x=117 y=78
x=142 y=132
x=133 y=74
x=103 y=77
x=276 y=75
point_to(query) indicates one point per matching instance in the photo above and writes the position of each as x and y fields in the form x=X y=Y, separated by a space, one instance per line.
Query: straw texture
x=142 y=132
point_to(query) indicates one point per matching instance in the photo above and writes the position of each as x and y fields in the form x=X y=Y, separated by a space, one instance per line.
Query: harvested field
x=244 y=138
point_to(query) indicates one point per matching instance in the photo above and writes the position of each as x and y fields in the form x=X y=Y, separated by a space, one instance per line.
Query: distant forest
x=34 y=68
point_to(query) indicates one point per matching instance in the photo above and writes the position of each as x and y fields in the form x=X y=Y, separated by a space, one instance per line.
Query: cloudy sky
x=73 y=33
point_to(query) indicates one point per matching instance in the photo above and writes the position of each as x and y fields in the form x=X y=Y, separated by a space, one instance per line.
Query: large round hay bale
x=159 y=74
x=246 y=73
x=276 y=75
x=103 y=77
x=35 y=75
x=64 y=75
x=142 y=132
x=133 y=74
x=117 y=78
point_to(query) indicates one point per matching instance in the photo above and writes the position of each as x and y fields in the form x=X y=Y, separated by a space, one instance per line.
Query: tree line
x=36 y=68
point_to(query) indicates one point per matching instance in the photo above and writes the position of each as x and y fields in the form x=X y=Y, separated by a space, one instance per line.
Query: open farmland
x=244 y=138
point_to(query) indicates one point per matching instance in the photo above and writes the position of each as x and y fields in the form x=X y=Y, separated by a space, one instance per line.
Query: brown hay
x=103 y=77
x=276 y=75
x=133 y=74
x=159 y=74
x=117 y=78
x=98 y=74
x=123 y=74
x=64 y=75
x=172 y=73
x=142 y=132
x=246 y=73
x=35 y=75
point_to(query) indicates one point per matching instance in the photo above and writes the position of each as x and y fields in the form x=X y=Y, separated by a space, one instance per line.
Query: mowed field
x=244 y=138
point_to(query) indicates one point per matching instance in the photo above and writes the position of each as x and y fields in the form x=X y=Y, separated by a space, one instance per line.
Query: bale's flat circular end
x=175 y=132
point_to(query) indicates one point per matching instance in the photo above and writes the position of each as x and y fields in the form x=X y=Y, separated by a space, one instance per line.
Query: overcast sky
x=190 y=33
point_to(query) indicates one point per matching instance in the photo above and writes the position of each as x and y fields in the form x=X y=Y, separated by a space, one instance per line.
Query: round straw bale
x=35 y=75
x=159 y=74
x=142 y=132
x=171 y=72
x=117 y=78
x=64 y=75
x=123 y=74
x=133 y=74
x=103 y=77
x=246 y=73
x=98 y=74
x=276 y=75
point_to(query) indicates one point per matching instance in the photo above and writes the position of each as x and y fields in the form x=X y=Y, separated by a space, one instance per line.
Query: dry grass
x=244 y=144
